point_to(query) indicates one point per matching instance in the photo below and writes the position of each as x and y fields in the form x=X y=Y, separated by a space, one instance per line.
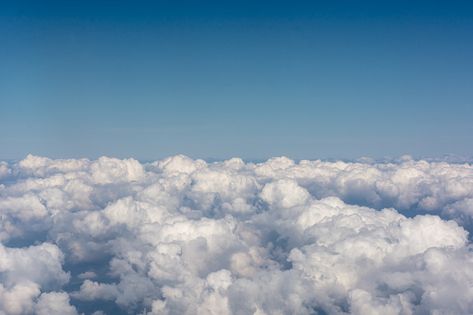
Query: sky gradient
x=319 y=79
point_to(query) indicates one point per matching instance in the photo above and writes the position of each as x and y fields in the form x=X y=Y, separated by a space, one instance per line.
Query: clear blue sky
x=316 y=79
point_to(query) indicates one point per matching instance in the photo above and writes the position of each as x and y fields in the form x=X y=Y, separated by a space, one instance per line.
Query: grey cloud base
x=182 y=236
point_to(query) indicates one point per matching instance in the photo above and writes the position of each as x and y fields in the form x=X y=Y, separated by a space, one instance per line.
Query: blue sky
x=318 y=79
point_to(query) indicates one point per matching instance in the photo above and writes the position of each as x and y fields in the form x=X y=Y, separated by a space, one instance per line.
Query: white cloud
x=25 y=273
x=19 y=298
x=284 y=193
x=4 y=170
x=91 y=290
x=110 y=170
x=54 y=303
x=183 y=236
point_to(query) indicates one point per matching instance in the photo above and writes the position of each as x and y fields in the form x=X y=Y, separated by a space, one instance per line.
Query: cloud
x=25 y=273
x=4 y=170
x=183 y=236
x=54 y=303
x=109 y=170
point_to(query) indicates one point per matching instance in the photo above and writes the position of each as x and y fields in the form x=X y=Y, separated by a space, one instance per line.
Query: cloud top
x=183 y=236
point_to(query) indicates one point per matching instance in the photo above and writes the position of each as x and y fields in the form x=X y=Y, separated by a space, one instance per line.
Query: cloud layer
x=183 y=236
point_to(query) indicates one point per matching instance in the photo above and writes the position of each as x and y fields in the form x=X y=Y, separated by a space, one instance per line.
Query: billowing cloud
x=54 y=303
x=4 y=170
x=183 y=236
x=28 y=271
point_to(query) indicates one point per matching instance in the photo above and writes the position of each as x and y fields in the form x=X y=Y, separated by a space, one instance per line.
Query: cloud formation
x=183 y=236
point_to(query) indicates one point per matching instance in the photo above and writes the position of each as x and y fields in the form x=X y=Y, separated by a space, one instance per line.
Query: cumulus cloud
x=4 y=170
x=54 y=303
x=25 y=273
x=183 y=236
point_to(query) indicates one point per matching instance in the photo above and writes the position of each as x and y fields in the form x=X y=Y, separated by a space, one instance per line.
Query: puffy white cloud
x=284 y=193
x=42 y=166
x=91 y=290
x=18 y=299
x=25 y=273
x=110 y=170
x=26 y=207
x=4 y=170
x=41 y=264
x=183 y=236
x=179 y=164
x=54 y=303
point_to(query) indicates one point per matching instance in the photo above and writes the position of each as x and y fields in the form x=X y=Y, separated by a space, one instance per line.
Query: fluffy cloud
x=54 y=303
x=183 y=236
x=27 y=272
x=4 y=170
